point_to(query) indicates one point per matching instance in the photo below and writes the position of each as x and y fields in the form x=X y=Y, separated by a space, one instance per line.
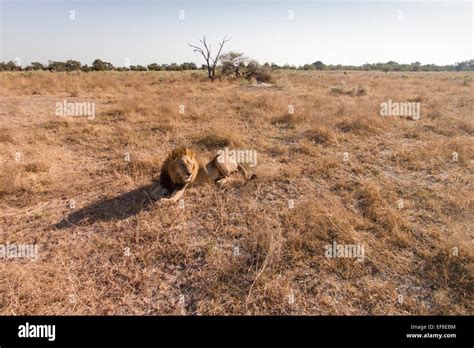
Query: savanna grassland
x=390 y=184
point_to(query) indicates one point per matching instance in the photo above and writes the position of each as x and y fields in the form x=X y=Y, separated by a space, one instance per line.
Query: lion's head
x=181 y=167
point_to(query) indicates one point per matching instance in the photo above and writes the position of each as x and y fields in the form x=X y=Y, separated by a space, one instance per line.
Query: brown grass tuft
x=321 y=135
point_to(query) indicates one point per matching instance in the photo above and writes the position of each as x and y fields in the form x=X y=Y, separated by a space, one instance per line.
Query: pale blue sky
x=337 y=32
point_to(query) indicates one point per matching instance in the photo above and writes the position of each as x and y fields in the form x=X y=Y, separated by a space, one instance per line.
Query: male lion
x=182 y=168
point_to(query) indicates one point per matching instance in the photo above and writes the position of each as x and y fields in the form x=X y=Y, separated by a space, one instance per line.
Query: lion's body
x=219 y=169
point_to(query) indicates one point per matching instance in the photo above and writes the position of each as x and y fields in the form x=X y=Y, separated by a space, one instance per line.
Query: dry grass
x=84 y=269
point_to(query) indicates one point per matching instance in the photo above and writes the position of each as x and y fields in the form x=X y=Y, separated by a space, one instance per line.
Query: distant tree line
x=97 y=65
x=391 y=66
x=233 y=63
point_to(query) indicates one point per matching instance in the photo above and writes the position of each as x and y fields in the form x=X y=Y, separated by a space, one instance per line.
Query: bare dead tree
x=206 y=52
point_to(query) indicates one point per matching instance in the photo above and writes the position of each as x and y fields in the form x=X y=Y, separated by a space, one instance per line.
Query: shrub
x=35 y=66
x=253 y=70
x=137 y=68
x=154 y=67
x=99 y=65
x=72 y=65
x=57 y=66
x=233 y=63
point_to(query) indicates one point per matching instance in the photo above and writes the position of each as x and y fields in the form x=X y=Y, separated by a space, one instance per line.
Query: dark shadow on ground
x=116 y=208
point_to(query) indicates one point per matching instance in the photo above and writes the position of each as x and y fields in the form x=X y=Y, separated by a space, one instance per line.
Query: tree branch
x=224 y=40
x=206 y=52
